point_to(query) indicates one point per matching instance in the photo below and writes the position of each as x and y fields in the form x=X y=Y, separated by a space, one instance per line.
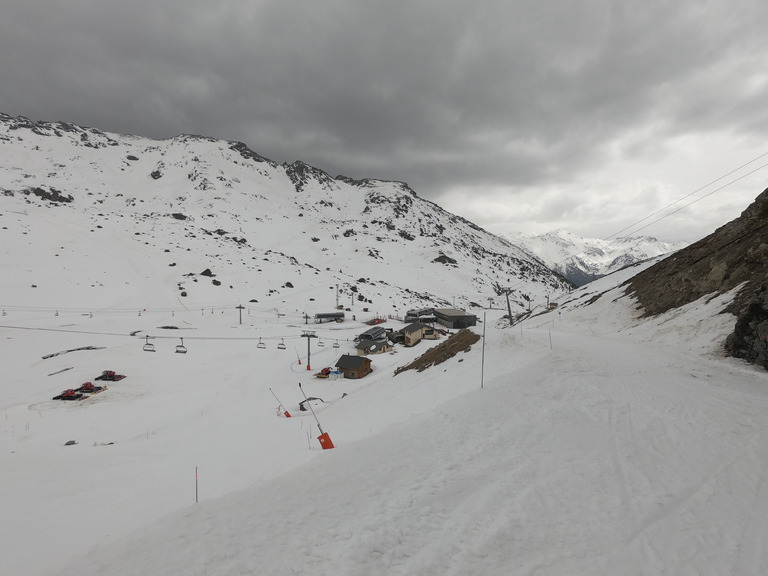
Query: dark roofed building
x=413 y=333
x=453 y=318
x=354 y=366
x=329 y=317
x=372 y=347
x=375 y=333
x=421 y=315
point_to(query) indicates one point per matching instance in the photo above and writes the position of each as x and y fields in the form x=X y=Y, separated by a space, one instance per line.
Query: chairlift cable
x=692 y=193
x=659 y=211
x=697 y=200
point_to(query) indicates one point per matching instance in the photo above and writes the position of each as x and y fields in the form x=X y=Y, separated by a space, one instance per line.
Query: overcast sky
x=520 y=115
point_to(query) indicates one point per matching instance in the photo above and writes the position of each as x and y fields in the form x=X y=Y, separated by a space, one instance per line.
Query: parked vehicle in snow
x=110 y=376
x=89 y=388
x=324 y=373
x=69 y=394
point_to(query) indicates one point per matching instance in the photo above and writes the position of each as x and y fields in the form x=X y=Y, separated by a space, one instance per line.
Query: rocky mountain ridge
x=192 y=203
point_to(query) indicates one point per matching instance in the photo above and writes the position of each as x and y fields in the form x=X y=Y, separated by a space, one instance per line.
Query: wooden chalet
x=354 y=366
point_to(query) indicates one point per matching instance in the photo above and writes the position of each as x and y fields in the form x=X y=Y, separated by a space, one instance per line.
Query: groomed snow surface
x=590 y=443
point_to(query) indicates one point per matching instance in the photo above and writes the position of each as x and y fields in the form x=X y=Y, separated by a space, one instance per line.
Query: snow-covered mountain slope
x=173 y=209
x=584 y=440
x=582 y=260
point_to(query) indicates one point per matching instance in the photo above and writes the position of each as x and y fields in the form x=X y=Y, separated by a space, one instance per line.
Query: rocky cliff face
x=749 y=339
x=735 y=255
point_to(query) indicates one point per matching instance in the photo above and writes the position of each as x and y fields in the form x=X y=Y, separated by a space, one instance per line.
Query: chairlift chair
x=261 y=344
x=281 y=346
x=181 y=349
x=320 y=343
x=336 y=344
x=148 y=347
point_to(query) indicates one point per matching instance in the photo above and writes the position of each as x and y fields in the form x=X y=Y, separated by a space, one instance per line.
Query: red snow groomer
x=324 y=373
x=89 y=388
x=69 y=394
x=110 y=376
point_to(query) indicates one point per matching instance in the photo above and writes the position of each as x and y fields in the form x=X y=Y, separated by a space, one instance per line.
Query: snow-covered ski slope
x=589 y=442
x=597 y=444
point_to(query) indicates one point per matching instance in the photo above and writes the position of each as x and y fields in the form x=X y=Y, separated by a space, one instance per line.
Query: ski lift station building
x=425 y=315
x=455 y=319
x=329 y=317
x=375 y=333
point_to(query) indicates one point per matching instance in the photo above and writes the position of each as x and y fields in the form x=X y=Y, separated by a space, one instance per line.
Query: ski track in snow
x=599 y=444
x=600 y=456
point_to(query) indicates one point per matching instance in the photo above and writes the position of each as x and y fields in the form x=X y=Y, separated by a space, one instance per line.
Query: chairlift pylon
x=181 y=349
x=148 y=347
x=281 y=346
x=261 y=344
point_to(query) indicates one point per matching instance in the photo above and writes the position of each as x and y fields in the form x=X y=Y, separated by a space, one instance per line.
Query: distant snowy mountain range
x=200 y=220
x=582 y=260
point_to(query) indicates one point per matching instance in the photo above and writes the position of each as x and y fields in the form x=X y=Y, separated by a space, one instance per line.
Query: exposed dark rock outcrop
x=51 y=195
x=248 y=154
x=443 y=259
x=749 y=339
x=301 y=174
x=736 y=254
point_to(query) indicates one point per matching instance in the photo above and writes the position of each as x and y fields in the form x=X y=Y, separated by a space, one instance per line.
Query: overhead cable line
x=158 y=337
x=693 y=201
x=688 y=196
x=691 y=194
x=149 y=309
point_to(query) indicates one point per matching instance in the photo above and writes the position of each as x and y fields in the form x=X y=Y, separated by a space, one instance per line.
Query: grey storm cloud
x=440 y=94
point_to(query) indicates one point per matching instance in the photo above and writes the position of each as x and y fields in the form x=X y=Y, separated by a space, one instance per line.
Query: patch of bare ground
x=460 y=342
